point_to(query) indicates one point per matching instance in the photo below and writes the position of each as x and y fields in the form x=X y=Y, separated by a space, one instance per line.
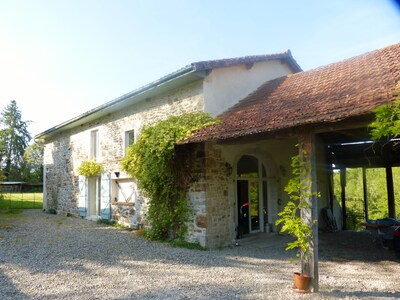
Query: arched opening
x=251 y=185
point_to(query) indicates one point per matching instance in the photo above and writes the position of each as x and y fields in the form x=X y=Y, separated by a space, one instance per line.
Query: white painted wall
x=276 y=157
x=224 y=87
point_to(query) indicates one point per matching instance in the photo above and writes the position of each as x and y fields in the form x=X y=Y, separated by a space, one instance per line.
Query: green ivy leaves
x=387 y=120
x=90 y=168
x=162 y=173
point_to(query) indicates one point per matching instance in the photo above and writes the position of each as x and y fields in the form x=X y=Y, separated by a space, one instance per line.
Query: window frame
x=129 y=134
x=94 y=145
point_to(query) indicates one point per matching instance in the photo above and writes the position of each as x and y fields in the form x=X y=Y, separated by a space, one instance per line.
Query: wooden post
x=365 y=192
x=329 y=174
x=330 y=187
x=343 y=185
x=390 y=192
x=307 y=156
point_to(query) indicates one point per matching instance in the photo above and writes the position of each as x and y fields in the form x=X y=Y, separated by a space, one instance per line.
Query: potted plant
x=90 y=168
x=292 y=223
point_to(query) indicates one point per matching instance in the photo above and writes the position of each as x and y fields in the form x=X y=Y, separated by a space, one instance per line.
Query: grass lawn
x=21 y=200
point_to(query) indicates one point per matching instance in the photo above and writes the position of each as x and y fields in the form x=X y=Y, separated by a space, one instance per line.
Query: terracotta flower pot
x=301 y=282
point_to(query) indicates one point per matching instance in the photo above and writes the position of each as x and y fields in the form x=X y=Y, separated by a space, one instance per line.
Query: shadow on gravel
x=65 y=243
x=8 y=291
x=360 y=295
x=44 y=243
x=345 y=246
x=59 y=246
x=188 y=292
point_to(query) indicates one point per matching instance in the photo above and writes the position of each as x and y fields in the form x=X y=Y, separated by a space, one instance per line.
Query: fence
x=19 y=195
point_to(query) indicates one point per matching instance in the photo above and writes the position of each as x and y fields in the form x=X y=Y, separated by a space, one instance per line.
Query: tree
x=33 y=157
x=377 y=195
x=14 y=138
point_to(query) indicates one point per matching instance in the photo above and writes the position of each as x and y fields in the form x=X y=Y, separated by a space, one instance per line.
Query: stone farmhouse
x=267 y=105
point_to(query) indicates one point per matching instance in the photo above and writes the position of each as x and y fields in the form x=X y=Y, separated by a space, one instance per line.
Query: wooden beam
x=329 y=174
x=310 y=215
x=390 y=192
x=343 y=195
x=365 y=192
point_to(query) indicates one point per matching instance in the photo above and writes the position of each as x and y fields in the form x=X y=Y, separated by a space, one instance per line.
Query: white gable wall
x=224 y=87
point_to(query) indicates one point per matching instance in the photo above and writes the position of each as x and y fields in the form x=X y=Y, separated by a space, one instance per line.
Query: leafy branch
x=387 y=119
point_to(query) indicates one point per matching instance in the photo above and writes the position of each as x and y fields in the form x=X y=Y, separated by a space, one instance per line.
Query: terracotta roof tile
x=350 y=88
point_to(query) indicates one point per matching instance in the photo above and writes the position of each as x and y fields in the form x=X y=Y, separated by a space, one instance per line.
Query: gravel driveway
x=53 y=257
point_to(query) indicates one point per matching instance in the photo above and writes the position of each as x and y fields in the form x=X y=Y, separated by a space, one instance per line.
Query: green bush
x=90 y=168
x=354 y=219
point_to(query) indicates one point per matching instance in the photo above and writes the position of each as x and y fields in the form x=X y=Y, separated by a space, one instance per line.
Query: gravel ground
x=53 y=257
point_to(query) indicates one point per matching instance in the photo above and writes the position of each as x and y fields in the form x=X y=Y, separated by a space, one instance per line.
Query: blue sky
x=61 y=58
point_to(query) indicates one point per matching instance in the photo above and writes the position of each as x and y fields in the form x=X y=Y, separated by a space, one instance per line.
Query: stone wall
x=123 y=213
x=209 y=198
x=60 y=182
x=197 y=225
x=213 y=194
x=218 y=198
x=65 y=152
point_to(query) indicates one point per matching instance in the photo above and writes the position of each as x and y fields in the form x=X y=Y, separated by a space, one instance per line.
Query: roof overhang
x=165 y=84
x=190 y=73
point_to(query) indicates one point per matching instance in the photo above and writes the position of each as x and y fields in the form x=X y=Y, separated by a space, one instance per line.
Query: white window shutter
x=105 y=196
x=82 y=196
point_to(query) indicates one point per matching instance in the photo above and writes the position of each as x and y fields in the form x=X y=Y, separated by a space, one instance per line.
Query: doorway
x=248 y=206
x=251 y=196
x=93 y=197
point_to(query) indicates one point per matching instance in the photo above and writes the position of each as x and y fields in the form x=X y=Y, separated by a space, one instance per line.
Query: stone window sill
x=123 y=203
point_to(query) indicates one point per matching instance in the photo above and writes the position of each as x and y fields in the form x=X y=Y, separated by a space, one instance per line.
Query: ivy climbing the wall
x=164 y=175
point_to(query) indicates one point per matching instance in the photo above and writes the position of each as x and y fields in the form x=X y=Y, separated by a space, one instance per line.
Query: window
x=94 y=144
x=129 y=138
x=247 y=167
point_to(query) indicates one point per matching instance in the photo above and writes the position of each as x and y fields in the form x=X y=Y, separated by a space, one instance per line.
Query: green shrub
x=90 y=168
x=354 y=219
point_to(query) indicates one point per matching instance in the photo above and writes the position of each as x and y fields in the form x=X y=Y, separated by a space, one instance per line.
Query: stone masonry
x=210 y=200
x=64 y=153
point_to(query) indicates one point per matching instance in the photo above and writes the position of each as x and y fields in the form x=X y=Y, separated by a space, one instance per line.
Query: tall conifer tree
x=14 y=138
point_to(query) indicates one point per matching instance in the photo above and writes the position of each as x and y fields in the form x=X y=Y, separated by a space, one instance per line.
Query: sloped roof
x=339 y=91
x=251 y=59
x=185 y=75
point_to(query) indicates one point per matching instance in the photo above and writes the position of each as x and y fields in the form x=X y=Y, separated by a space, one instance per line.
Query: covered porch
x=326 y=112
